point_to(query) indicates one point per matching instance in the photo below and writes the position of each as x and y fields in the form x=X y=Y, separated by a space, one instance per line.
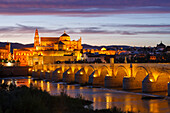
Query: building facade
x=5 y=52
x=48 y=50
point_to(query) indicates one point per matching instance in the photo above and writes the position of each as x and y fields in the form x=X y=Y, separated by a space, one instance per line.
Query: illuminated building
x=5 y=52
x=101 y=51
x=49 y=50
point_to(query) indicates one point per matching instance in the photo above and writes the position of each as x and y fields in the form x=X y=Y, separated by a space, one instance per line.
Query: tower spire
x=36 y=38
x=36 y=33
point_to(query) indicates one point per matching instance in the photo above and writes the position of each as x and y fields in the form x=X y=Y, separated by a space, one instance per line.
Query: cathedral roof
x=49 y=38
x=64 y=34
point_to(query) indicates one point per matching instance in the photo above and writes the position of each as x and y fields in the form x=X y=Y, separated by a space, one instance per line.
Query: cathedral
x=49 y=50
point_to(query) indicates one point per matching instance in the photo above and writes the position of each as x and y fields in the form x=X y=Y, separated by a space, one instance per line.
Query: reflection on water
x=153 y=106
x=102 y=98
x=108 y=101
x=42 y=85
x=2 y=81
x=48 y=86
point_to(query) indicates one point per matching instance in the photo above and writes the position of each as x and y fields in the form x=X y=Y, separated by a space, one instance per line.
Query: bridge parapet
x=111 y=75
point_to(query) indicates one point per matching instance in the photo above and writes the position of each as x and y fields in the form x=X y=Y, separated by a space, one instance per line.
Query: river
x=103 y=97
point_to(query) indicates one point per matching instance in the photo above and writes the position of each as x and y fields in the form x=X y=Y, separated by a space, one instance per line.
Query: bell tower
x=36 y=39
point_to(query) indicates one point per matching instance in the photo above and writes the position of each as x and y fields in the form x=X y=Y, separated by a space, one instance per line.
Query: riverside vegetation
x=33 y=100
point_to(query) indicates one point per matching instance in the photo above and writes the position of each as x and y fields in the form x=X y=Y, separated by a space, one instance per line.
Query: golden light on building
x=68 y=72
x=103 y=49
x=151 y=80
x=94 y=75
x=48 y=71
x=48 y=50
x=81 y=73
x=58 y=71
x=9 y=64
x=107 y=75
x=42 y=70
x=29 y=69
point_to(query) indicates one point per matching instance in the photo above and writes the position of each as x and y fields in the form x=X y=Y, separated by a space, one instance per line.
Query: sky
x=97 y=22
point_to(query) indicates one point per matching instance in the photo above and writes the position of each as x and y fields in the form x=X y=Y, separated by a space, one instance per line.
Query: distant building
x=5 y=52
x=49 y=50
x=102 y=51
x=161 y=46
x=168 y=49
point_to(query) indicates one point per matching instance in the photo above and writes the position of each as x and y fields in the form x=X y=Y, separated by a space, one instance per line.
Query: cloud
x=20 y=29
x=139 y=25
x=83 y=7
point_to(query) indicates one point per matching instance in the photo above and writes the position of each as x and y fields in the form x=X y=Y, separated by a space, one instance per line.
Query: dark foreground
x=33 y=100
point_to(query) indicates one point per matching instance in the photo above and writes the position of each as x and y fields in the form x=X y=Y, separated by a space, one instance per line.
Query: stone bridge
x=149 y=77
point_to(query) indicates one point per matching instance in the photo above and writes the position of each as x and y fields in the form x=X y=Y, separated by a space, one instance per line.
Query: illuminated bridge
x=149 y=77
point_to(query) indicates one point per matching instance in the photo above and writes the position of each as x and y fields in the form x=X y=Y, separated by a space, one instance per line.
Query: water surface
x=104 y=98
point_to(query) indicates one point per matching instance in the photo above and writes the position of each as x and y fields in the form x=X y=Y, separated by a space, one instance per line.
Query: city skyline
x=113 y=22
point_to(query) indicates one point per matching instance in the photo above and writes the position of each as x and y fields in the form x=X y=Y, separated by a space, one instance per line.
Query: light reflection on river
x=104 y=98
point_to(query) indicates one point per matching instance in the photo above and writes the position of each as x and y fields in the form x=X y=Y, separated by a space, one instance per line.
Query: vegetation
x=33 y=100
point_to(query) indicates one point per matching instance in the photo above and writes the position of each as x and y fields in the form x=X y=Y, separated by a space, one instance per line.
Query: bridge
x=149 y=77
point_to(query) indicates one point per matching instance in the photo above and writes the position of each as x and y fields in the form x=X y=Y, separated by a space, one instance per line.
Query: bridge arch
x=163 y=77
x=151 y=83
x=121 y=72
x=74 y=69
x=89 y=70
x=104 y=71
x=57 y=74
x=141 y=73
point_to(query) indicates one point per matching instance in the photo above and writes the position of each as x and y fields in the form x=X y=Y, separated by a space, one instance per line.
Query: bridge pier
x=150 y=85
x=57 y=75
x=130 y=83
x=36 y=74
x=112 y=81
x=108 y=81
x=168 y=89
x=94 y=78
x=81 y=77
x=42 y=74
x=48 y=75
x=68 y=76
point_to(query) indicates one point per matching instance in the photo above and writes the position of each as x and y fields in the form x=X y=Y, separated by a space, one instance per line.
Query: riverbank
x=102 y=98
x=33 y=100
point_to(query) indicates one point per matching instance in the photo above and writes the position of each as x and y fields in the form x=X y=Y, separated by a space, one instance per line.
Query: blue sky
x=112 y=22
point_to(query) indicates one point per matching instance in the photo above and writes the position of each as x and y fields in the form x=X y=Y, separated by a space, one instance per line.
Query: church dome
x=161 y=45
x=65 y=37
